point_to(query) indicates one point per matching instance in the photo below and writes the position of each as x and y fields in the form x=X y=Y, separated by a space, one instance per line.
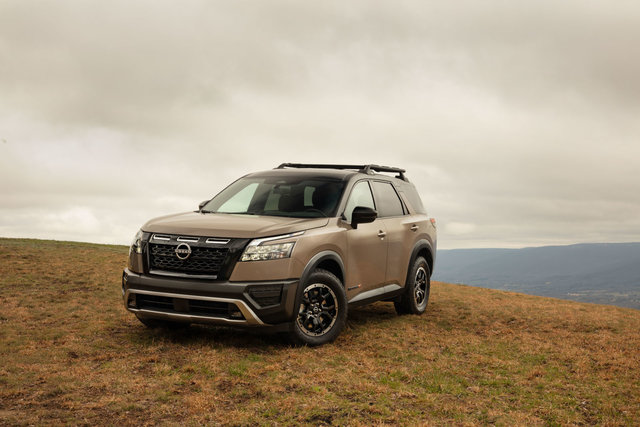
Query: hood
x=230 y=225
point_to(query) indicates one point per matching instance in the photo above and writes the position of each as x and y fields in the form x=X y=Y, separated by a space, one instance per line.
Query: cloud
x=518 y=118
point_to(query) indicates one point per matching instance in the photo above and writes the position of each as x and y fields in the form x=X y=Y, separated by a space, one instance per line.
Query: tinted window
x=279 y=196
x=360 y=196
x=387 y=199
x=414 y=200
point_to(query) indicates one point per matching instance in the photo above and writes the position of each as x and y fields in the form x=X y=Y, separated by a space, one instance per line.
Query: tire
x=164 y=324
x=321 y=311
x=415 y=298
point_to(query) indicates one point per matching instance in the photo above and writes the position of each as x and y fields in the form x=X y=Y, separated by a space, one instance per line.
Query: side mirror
x=202 y=203
x=362 y=215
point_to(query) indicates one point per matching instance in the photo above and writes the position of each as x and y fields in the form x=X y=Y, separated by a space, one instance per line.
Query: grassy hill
x=70 y=353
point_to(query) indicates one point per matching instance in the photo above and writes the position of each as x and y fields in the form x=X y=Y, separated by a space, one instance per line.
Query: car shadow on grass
x=378 y=315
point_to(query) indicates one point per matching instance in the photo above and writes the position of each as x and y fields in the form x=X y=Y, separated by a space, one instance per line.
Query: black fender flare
x=312 y=265
x=316 y=260
x=420 y=245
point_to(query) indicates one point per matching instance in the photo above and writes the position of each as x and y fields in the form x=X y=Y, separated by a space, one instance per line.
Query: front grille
x=189 y=306
x=205 y=261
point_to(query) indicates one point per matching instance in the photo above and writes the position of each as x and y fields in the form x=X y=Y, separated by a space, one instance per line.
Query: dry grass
x=70 y=353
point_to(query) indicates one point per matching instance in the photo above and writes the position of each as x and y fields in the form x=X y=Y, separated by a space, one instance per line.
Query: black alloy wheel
x=415 y=298
x=318 y=311
x=322 y=309
x=420 y=287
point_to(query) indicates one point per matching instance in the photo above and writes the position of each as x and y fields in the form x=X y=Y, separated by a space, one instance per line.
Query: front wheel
x=321 y=310
x=416 y=294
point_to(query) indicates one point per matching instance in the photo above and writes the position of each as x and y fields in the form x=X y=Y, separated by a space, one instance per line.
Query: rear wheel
x=321 y=310
x=164 y=324
x=416 y=295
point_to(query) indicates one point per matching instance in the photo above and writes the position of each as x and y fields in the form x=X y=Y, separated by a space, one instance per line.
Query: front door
x=367 y=246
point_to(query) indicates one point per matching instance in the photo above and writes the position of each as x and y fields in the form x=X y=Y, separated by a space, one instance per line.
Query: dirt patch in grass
x=70 y=353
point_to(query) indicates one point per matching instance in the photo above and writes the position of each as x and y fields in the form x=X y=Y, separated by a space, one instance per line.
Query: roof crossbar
x=368 y=169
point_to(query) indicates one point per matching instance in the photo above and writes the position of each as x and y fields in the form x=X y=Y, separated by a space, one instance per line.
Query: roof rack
x=368 y=169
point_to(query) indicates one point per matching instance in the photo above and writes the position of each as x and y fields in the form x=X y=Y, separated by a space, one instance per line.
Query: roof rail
x=368 y=169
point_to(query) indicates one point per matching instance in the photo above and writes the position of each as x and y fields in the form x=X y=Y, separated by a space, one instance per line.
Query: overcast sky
x=517 y=121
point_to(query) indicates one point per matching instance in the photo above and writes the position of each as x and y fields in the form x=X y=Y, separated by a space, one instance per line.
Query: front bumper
x=267 y=303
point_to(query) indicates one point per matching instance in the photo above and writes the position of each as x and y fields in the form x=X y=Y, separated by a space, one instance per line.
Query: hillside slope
x=70 y=353
x=604 y=273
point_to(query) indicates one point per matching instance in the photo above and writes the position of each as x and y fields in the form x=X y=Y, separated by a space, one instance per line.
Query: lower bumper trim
x=250 y=318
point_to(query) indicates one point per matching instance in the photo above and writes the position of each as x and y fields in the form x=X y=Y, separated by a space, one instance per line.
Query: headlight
x=263 y=250
x=267 y=252
x=136 y=244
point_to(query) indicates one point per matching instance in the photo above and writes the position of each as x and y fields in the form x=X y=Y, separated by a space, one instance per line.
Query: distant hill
x=603 y=273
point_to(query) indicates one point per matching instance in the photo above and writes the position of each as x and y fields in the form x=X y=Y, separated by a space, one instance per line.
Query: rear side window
x=387 y=199
x=414 y=199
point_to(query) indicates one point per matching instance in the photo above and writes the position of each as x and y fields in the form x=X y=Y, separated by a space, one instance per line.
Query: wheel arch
x=424 y=249
x=327 y=260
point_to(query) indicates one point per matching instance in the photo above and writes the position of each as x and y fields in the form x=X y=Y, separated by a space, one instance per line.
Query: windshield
x=279 y=196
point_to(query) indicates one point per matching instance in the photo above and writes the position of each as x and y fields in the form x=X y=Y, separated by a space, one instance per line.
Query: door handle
x=381 y=234
x=414 y=227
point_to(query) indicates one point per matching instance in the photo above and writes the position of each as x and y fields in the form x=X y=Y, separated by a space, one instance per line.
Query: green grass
x=70 y=353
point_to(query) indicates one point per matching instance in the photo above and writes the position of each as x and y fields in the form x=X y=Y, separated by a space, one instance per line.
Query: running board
x=376 y=294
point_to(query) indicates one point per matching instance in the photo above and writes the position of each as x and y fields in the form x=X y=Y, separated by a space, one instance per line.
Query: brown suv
x=291 y=249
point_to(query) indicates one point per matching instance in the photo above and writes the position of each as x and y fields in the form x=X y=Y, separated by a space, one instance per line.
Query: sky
x=517 y=121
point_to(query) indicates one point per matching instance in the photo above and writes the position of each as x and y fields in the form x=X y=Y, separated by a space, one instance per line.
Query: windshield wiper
x=241 y=213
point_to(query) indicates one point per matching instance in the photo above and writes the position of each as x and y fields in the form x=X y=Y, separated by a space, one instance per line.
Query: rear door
x=393 y=214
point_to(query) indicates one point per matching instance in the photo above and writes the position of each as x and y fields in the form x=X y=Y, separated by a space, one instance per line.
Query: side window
x=240 y=201
x=389 y=203
x=360 y=196
x=411 y=196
